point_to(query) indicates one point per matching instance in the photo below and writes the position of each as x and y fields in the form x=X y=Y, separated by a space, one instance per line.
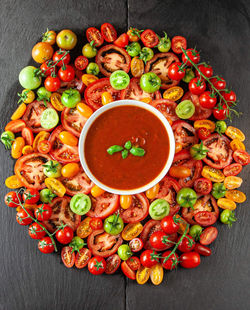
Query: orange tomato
x=235 y=133
x=173 y=93
x=42 y=52
x=67 y=138
x=17 y=147
x=178 y=147
x=42 y=135
x=125 y=201
x=236 y=144
x=27 y=149
x=142 y=275
x=49 y=37
x=156 y=274
x=179 y=172
x=44 y=146
x=84 y=229
x=131 y=231
x=152 y=192
x=212 y=174
x=88 y=79
x=133 y=37
x=183 y=224
x=225 y=203
x=15 y=126
x=70 y=170
x=84 y=110
x=55 y=100
x=55 y=186
x=106 y=98
x=146 y=100
x=236 y=196
x=96 y=191
x=205 y=123
x=13 y=182
x=232 y=182
x=19 y=112
x=137 y=67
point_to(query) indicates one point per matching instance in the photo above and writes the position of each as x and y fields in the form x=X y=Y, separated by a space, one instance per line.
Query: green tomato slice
x=49 y=118
x=185 y=109
x=159 y=209
x=119 y=79
x=80 y=204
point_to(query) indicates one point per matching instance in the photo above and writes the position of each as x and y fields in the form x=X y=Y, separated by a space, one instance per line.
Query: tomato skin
x=35 y=231
x=193 y=55
x=241 y=157
x=57 y=56
x=52 y=84
x=22 y=217
x=46 y=69
x=67 y=73
x=136 y=244
x=202 y=249
x=68 y=256
x=96 y=265
x=12 y=199
x=232 y=170
x=42 y=52
x=31 y=200
x=190 y=260
x=45 y=245
x=112 y=264
x=172 y=261
x=203 y=186
x=93 y=34
x=205 y=70
x=218 y=82
x=208 y=235
x=122 y=40
x=147 y=259
x=65 y=235
x=177 y=43
x=82 y=258
x=43 y=212
x=169 y=224
x=197 y=86
x=187 y=244
x=149 y=38
x=229 y=96
x=108 y=32
x=96 y=223
x=207 y=100
x=128 y=272
x=175 y=72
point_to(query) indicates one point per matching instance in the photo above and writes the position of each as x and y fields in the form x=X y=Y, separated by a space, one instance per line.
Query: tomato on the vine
x=66 y=73
x=193 y=55
x=229 y=96
x=170 y=224
x=31 y=196
x=52 y=83
x=12 y=199
x=65 y=235
x=205 y=69
x=218 y=82
x=23 y=218
x=45 y=245
x=221 y=113
x=176 y=71
x=149 y=258
x=187 y=244
x=208 y=100
x=197 y=86
x=43 y=212
x=36 y=231
x=169 y=262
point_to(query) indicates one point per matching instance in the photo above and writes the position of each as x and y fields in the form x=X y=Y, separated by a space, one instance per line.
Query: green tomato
x=89 y=50
x=7 y=138
x=159 y=209
x=80 y=204
x=92 y=68
x=220 y=127
x=49 y=118
x=124 y=252
x=46 y=195
x=185 y=109
x=195 y=231
x=164 y=44
x=186 y=197
x=134 y=49
x=198 y=151
x=189 y=75
x=113 y=224
x=43 y=94
x=70 y=98
x=146 y=54
x=119 y=79
x=52 y=169
x=227 y=217
x=66 y=39
x=77 y=243
x=219 y=190
x=29 y=77
x=150 y=82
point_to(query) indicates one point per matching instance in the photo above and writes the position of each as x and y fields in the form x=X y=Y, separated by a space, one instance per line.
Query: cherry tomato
x=232 y=170
x=149 y=258
x=203 y=186
x=142 y=275
x=158 y=240
x=208 y=235
x=236 y=196
x=44 y=146
x=208 y=100
x=236 y=144
x=93 y=34
x=128 y=272
x=13 y=182
x=205 y=69
x=179 y=172
x=66 y=73
x=19 y=112
x=190 y=260
x=65 y=235
x=122 y=40
x=68 y=138
x=226 y=204
x=202 y=249
x=134 y=34
x=31 y=196
x=153 y=191
x=170 y=224
x=27 y=149
x=17 y=147
x=55 y=186
x=131 y=231
x=218 y=82
x=84 y=229
x=229 y=96
x=133 y=263
x=193 y=55
x=42 y=52
x=176 y=71
x=55 y=100
x=96 y=223
x=12 y=199
x=221 y=114
x=170 y=263
x=23 y=218
x=241 y=157
x=187 y=244
x=45 y=245
x=112 y=264
x=178 y=43
x=205 y=218
x=52 y=83
x=197 y=86
x=43 y=212
x=232 y=182
x=81 y=62
x=149 y=38
x=212 y=174
x=47 y=69
x=156 y=274
x=97 y=265
x=108 y=32
x=173 y=93
x=61 y=57
x=106 y=98
x=15 y=126
x=68 y=256
x=136 y=244
x=203 y=133
x=137 y=67
x=36 y=231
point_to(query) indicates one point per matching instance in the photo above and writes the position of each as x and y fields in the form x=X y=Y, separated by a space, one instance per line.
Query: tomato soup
x=116 y=126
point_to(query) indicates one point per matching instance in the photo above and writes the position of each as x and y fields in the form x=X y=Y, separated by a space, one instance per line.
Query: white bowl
x=119 y=103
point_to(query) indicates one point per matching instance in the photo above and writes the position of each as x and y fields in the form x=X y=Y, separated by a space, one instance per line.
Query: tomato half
x=76 y=83
x=202 y=186
x=208 y=235
x=166 y=107
x=177 y=43
x=149 y=38
x=73 y=121
x=68 y=256
x=138 y=210
x=82 y=258
x=128 y=272
x=103 y=205
x=241 y=157
x=184 y=133
x=93 y=34
x=232 y=170
x=108 y=32
x=113 y=263
x=200 y=113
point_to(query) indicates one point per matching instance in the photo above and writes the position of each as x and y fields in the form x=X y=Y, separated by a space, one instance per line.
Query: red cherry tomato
x=202 y=249
x=128 y=272
x=205 y=218
x=23 y=218
x=52 y=83
x=197 y=86
x=122 y=40
x=193 y=55
x=31 y=196
x=158 y=240
x=203 y=186
x=82 y=258
x=97 y=265
x=232 y=170
x=112 y=264
x=208 y=235
x=45 y=245
x=170 y=224
x=149 y=38
x=136 y=244
x=241 y=157
x=218 y=82
x=133 y=262
x=28 y=136
x=93 y=34
x=208 y=100
x=36 y=231
x=81 y=62
x=96 y=223
x=63 y=55
x=172 y=262
x=43 y=212
x=147 y=258
x=12 y=199
x=44 y=146
x=187 y=244
x=66 y=73
x=175 y=72
x=177 y=43
x=46 y=69
x=205 y=70
x=108 y=32
x=229 y=96
x=203 y=133
x=190 y=260
x=220 y=114
x=65 y=235
x=68 y=256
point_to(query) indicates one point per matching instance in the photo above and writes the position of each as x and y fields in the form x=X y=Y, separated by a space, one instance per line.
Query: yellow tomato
x=42 y=52
x=146 y=99
x=131 y=231
x=67 y=138
x=49 y=37
x=96 y=191
x=27 y=149
x=142 y=275
x=27 y=96
x=84 y=229
x=42 y=135
x=17 y=147
x=66 y=39
x=156 y=274
x=178 y=147
x=212 y=174
x=236 y=144
x=232 y=182
x=106 y=98
x=87 y=79
x=125 y=201
x=19 y=112
x=153 y=191
x=55 y=186
x=236 y=196
x=137 y=67
x=84 y=110
x=70 y=170
x=173 y=93
x=13 y=182
x=235 y=133
x=55 y=100
x=205 y=123
x=225 y=203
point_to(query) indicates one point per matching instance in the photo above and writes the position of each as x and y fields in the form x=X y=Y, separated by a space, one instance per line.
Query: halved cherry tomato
x=203 y=186
x=232 y=169
x=68 y=256
x=232 y=182
x=236 y=196
x=41 y=136
x=241 y=157
x=70 y=170
x=15 y=126
x=136 y=244
x=149 y=38
x=96 y=223
x=93 y=34
x=106 y=98
x=129 y=273
x=153 y=191
x=203 y=133
x=108 y=32
x=44 y=146
x=179 y=172
x=55 y=100
x=236 y=144
x=17 y=147
x=88 y=79
x=67 y=138
x=212 y=174
x=131 y=231
x=28 y=136
x=137 y=67
x=113 y=263
x=125 y=201
x=208 y=235
x=13 y=182
x=142 y=275
x=27 y=149
x=173 y=93
x=84 y=110
x=81 y=62
x=138 y=210
x=156 y=274
x=19 y=112
x=225 y=203
x=84 y=229
x=205 y=123
x=122 y=40
x=178 y=43
x=55 y=186
x=82 y=258
x=235 y=133
x=205 y=218
x=133 y=262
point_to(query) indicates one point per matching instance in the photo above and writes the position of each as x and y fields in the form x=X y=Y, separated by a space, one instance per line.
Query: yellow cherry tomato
x=96 y=191
x=137 y=67
x=55 y=100
x=17 y=147
x=27 y=96
x=205 y=123
x=42 y=135
x=131 y=231
x=212 y=174
x=236 y=196
x=235 y=133
x=178 y=147
x=156 y=274
x=152 y=192
x=146 y=100
x=19 y=112
x=183 y=224
x=84 y=110
x=27 y=149
x=125 y=201
x=88 y=79
x=236 y=144
x=42 y=52
x=106 y=98
x=173 y=93
x=13 y=182
x=49 y=37
x=225 y=203
x=179 y=172
x=70 y=170
x=232 y=182
x=55 y=186
x=84 y=229
x=67 y=138
x=142 y=275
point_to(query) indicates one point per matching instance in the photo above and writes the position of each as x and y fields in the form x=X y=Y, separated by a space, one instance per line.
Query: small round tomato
x=202 y=186
x=113 y=224
x=208 y=235
x=43 y=212
x=93 y=34
x=49 y=37
x=197 y=86
x=203 y=133
x=17 y=147
x=12 y=199
x=158 y=240
x=66 y=39
x=149 y=258
x=61 y=58
x=150 y=82
x=47 y=69
x=65 y=235
x=202 y=249
x=192 y=55
x=164 y=43
x=229 y=96
x=44 y=146
x=124 y=251
x=23 y=218
x=42 y=52
x=205 y=69
x=97 y=265
x=218 y=82
x=36 y=231
x=208 y=100
x=187 y=244
x=170 y=224
x=241 y=157
x=45 y=245
x=136 y=244
x=227 y=217
x=68 y=256
x=70 y=170
x=66 y=73
x=82 y=258
x=169 y=262
x=190 y=260
x=112 y=264
x=186 y=197
x=134 y=34
x=176 y=71
x=96 y=223
x=221 y=113
x=134 y=263
x=52 y=83
x=70 y=98
x=178 y=43
x=31 y=196
x=89 y=51
x=77 y=243
x=81 y=62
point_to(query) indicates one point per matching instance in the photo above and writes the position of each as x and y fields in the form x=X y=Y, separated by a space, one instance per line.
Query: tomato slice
x=111 y=58
x=104 y=205
x=202 y=186
x=93 y=93
x=62 y=214
x=220 y=154
x=232 y=170
x=166 y=107
x=62 y=152
x=185 y=134
x=103 y=244
x=200 y=113
x=113 y=263
x=82 y=258
x=149 y=38
x=73 y=121
x=29 y=170
x=68 y=256
x=177 y=43
x=138 y=210
x=108 y=32
x=208 y=235
x=80 y=183
x=128 y=272
x=205 y=218
x=32 y=115
x=241 y=157
x=159 y=64
x=93 y=34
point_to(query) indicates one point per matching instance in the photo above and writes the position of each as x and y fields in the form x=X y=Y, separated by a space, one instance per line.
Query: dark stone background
x=29 y=280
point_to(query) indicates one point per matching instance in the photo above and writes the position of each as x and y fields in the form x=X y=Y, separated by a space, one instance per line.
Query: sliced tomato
x=80 y=183
x=208 y=235
x=103 y=244
x=205 y=218
x=62 y=214
x=128 y=272
x=185 y=134
x=32 y=115
x=200 y=113
x=134 y=92
x=73 y=121
x=232 y=170
x=203 y=186
x=93 y=93
x=241 y=157
x=68 y=256
x=111 y=58
x=138 y=210
x=108 y=32
x=104 y=205
x=159 y=64
x=29 y=170
x=220 y=154
x=113 y=263
x=82 y=258
x=62 y=152
x=166 y=107
x=28 y=136
x=149 y=38
x=178 y=43
x=93 y=34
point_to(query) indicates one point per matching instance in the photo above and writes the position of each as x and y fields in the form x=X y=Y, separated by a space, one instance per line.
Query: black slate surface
x=30 y=280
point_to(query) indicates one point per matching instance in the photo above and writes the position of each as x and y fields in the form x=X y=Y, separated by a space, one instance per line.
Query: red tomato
x=12 y=199
x=128 y=272
x=81 y=62
x=221 y=113
x=166 y=107
x=45 y=245
x=96 y=223
x=172 y=262
x=52 y=83
x=203 y=186
x=218 y=82
x=65 y=235
x=208 y=235
x=82 y=258
x=203 y=133
x=241 y=157
x=176 y=72
x=16 y=125
x=185 y=134
x=104 y=205
x=229 y=96
x=149 y=38
x=68 y=256
x=23 y=218
x=66 y=73
x=232 y=170
x=190 y=260
x=93 y=34
x=170 y=224
x=159 y=240
x=76 y=83
x=193 y=55
x=133 y=262
x=149 y=258
x=112 y=264
x=178 y=43
x=44 y=146
x=136 y=244
x=205 y=69
x=73 y=121
x=46 y=69
x=202 y=249
x=197 y=86
x=208 y=100
x=61 y=54
x=31 y=196
x=28 y=136
x=138 y=210
x=205 y=218
x=108 y=32
x=36 y=231
x=187 y=244
x=96 y=265
x=43 y=212
x=122 y=40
